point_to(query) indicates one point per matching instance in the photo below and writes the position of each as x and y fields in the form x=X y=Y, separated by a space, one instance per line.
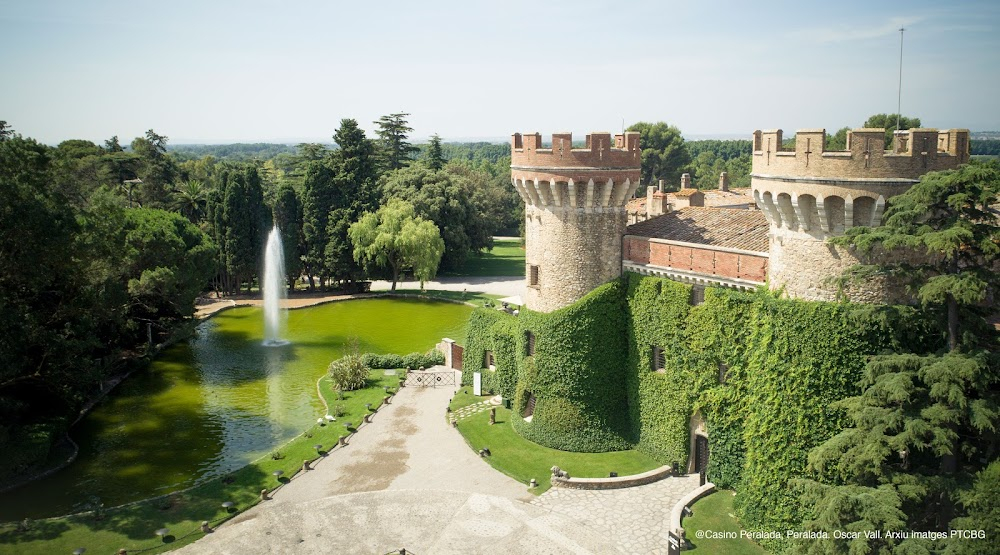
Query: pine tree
x=435 y=158
x=393 y=149
x=923 y=424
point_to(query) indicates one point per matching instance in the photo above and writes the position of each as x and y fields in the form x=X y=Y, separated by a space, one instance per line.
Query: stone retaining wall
x=620 y=482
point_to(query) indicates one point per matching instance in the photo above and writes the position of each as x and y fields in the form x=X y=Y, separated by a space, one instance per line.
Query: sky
x=214 y=71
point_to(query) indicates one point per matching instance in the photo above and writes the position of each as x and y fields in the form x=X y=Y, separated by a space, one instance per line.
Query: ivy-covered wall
x=784 y=362
x=577 y=374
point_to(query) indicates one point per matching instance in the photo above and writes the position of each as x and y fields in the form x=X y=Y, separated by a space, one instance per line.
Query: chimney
x=661 y=185
x=685 y=181
x=723 y=181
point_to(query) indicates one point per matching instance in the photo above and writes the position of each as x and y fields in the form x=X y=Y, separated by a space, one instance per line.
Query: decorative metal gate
x=430 y=379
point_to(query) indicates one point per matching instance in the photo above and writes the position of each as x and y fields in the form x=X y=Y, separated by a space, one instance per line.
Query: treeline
x=108 y=247
x=989 y=147
x=238 y=152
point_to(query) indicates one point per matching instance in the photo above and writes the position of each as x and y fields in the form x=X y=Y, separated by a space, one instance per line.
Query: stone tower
x=809 y=194
x=574 y=209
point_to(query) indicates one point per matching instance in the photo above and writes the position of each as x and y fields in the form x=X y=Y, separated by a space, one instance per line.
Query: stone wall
x=807 y=267
x=574 y=211
x=575 y=251
x=809 y=195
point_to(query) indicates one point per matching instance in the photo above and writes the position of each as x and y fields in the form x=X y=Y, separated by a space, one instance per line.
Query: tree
x=112 y=145
x=947 y=221
x=837 y=141
x=157 y=170
x=888 y=121
x=435 y=158
x=397 y=239
x=288 y=217
x=5 y=131
x=922 y=423
x=190 y=199
x=664 y=155
x=393 y=149
x=246 y=226
x=450 y=201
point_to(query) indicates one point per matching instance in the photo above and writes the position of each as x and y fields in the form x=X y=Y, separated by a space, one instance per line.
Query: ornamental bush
x=412 y=360
x=349 y=372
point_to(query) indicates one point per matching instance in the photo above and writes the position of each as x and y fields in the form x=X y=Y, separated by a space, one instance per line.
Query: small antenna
x=899 y=94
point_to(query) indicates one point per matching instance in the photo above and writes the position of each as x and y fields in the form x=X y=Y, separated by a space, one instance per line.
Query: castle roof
x=720 y=227
x=686 y=192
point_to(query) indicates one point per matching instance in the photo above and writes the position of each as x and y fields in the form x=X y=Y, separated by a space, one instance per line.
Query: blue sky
x=220 y=71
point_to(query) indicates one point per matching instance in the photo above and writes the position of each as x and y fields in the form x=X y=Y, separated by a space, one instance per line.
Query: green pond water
x=212 y=404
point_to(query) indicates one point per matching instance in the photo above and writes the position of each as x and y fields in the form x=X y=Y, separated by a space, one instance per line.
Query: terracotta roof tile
x=721 y=227
x=686 y=192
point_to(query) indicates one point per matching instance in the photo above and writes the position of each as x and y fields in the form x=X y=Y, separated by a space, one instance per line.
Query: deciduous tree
x=397 y=239
x=663 y=153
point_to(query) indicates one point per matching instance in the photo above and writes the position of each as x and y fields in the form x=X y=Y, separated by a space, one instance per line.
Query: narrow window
x=723 y=372
x=488 y=361
x=529 y=343
x=659 y=360
x=697 y=294
x=533 y=275
x=529 y=407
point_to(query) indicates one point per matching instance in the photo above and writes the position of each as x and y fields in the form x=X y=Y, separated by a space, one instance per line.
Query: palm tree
x=190 y=199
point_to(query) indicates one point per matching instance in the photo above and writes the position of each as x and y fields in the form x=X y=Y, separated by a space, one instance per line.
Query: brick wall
x=707 y=261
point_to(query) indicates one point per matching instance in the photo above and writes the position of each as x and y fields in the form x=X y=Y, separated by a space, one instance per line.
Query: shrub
x=412 y=360
x=349 y=373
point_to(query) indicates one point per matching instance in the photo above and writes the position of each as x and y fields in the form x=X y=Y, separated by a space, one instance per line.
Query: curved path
x=409 y=480
x=507 y=286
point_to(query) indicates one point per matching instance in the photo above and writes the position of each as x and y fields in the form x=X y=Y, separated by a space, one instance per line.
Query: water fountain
x=273 y=286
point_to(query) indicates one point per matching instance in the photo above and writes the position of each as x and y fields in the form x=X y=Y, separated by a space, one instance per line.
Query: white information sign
x=477 y=383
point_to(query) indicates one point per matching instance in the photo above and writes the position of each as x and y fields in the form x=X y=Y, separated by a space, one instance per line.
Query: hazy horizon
x=242 y=72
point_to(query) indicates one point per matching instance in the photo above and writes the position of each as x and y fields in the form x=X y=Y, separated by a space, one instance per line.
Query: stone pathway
x=469 y=410
x=409 y=480
x=636 y=519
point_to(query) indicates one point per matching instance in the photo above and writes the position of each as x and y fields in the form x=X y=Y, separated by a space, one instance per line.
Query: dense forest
x=109 y=245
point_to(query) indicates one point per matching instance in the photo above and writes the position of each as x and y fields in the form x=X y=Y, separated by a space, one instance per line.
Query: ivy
x=784 y=363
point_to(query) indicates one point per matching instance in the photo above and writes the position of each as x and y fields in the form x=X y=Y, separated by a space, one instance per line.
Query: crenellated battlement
x=914 y=153
x=599 y=152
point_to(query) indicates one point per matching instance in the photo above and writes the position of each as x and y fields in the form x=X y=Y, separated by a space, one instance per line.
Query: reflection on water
x=211 y=404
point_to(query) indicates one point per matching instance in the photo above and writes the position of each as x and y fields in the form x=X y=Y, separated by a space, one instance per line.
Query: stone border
x=677 y=513
x=620 y=482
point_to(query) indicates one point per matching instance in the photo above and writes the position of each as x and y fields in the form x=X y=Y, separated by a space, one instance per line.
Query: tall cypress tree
x=288 y=218
x=246 y=225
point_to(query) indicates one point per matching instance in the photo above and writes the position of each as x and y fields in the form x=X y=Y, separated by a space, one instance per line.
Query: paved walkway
x=409 y=480
x=506 y=286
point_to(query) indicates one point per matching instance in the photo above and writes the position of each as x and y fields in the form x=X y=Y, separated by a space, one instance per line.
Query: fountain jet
x=273 y=286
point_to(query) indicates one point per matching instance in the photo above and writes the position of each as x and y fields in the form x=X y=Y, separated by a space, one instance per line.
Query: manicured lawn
x=506 y=259
x=133 y=526
x=523 y=460
x=474 y=297
x=715 y=513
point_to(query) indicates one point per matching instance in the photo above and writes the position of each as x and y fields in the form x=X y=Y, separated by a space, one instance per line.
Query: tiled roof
x=721 y=227
x=686 y=192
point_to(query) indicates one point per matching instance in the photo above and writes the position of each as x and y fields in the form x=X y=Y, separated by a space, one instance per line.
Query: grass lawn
x=506 y=259
x=715 y=513
x=523 y=460
x=474 y=297
x=133 y=526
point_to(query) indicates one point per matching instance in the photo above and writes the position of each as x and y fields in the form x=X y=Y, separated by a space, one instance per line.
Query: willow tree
x=397 y=239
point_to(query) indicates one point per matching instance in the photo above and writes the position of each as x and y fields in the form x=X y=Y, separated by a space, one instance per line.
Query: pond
x=219 y=400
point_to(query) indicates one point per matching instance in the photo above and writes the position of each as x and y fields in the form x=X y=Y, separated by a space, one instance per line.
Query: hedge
x=412 y=360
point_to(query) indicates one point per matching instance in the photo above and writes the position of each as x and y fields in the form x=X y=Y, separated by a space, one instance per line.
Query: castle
x=576 y=213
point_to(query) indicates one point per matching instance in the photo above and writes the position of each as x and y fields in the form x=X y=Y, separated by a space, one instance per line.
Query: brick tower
x=574 y=211
x=809 y=194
